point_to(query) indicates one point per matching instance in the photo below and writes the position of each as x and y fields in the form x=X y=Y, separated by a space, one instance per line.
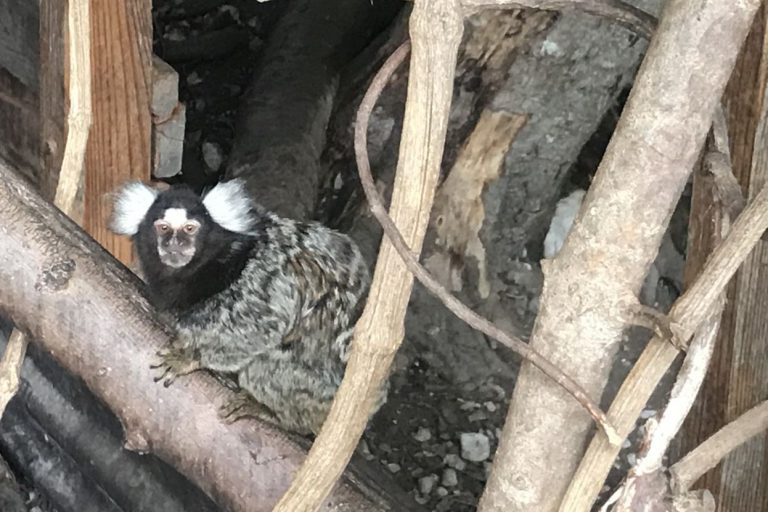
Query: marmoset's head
x=176 y=225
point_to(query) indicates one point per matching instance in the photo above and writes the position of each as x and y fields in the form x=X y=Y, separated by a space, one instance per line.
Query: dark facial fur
x=218 y=256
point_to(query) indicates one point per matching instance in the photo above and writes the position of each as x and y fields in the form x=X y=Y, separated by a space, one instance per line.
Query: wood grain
x=119 y=147
x=738 y=377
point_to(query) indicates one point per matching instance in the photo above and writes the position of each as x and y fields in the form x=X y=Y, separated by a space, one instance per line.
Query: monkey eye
x=162 y=227
x=191 y=228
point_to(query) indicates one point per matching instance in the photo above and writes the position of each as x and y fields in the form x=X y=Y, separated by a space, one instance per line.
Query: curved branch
x=425 y=278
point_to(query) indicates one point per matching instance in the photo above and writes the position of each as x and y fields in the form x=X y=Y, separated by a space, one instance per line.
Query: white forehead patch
x=131 y=204
x=176 y=217
x=230 y=207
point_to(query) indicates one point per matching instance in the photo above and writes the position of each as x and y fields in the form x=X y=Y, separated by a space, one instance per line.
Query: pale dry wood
x=685 y=316
x=70 y=176
x=592 y=282
x=435 y=29
x=119 y=148
x=709 y=453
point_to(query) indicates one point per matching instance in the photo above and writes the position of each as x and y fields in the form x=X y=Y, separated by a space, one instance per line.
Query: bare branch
x=436 y=27
x=687 y=314
x=709 y=453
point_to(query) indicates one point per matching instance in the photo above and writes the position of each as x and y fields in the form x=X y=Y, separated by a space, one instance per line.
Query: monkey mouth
x=175 y=259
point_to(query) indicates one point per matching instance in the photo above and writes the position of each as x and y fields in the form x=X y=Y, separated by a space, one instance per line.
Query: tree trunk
x=591 y=285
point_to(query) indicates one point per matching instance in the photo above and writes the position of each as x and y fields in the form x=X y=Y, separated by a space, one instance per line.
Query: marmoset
x=268 y=299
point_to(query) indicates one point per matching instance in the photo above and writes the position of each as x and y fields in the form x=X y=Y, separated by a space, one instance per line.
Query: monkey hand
x=175 y=361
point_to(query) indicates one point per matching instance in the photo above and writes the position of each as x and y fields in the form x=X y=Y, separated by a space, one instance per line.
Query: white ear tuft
x=230 y=206
x=565 y=213
x=131 y=204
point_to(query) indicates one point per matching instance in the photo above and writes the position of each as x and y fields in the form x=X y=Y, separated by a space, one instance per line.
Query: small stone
x=475 y=447
x=194 y=79
x=490 y=406
x=450 y=478
x=421 y=500
x=631 y=459
x=385 y=448
x=365 y=450
x=454 y=461
x=478 y=415
x=393 y=467
x=212 y=155
x=427 y=483
x=442 y=492
x=648 y=413
x=422 y=435
x=469 y=406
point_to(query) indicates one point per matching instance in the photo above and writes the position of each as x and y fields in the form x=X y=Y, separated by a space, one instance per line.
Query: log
x=281 y=131
x=90 y=313
x=89 y=436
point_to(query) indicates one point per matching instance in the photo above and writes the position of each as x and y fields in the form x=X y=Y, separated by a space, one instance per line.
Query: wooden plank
x=19 y=124
x=18 y=40
x=53 y=94
x=738 y=378
x=119 y=147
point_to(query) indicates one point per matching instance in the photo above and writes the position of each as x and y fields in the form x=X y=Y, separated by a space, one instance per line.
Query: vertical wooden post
x=119 y=147
x=53 y=95
x=738 y=377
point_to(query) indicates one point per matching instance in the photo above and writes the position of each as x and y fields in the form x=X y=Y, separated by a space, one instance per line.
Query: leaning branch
x=435 y=27
x=87 y=310
x=709 y=453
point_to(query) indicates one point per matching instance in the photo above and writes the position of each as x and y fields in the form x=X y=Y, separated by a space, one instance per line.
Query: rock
x=165 y=88
x=442 y=492
x=475 y=447
x=427 y=483
x=450 y=478
x=454 y=461
x=168 y=144
x=393 y=467
x=422 y=435
x=212 y=155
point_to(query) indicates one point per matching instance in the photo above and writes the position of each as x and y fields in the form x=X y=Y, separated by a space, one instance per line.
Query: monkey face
x=176 y=236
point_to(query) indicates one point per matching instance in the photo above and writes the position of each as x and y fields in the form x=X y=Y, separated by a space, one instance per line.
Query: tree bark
x=90 y=436
x=86 y=310
x=591 y=285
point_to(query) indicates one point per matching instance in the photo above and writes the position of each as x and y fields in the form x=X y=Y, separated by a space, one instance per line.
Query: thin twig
x=70 y=175
x=425 y=278
x=709 y=453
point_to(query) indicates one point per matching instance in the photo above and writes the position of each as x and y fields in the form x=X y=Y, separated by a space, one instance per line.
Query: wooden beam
x=738 y=377
x=53 y=95
x=119 y=147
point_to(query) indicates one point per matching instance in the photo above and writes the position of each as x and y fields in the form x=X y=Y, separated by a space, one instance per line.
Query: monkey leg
x=299 y=395
x=243 y=405
x=175 y=361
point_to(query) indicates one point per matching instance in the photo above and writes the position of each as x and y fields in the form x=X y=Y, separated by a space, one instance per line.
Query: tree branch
x=435 y=27
x=709 y=453
x=88 y=311
x=688 y=312
x=611 y=245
